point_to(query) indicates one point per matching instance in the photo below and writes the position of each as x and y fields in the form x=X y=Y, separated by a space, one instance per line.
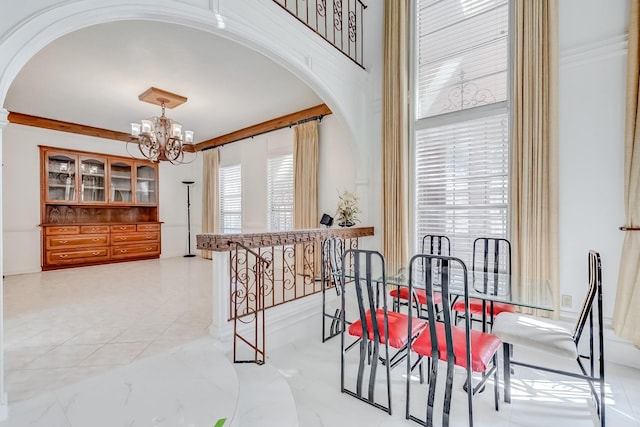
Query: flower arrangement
x=348 y=210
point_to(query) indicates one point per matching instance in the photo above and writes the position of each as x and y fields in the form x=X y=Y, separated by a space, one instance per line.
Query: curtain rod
x=299 y=122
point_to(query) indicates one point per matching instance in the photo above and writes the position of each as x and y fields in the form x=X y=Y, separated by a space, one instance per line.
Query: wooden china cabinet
x=97 y=208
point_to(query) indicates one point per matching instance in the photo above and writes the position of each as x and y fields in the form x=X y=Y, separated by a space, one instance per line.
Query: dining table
x=527 y=293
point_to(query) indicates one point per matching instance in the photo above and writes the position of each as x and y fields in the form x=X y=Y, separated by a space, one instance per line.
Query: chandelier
x=160 y=138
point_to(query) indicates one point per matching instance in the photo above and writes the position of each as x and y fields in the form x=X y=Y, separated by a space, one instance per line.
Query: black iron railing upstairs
x=339 y=22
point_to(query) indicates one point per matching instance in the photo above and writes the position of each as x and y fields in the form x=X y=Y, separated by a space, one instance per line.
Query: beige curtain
x=626 y=317
x=395 y=141
x=210 y=194
x=305 y=187
x=534 y=161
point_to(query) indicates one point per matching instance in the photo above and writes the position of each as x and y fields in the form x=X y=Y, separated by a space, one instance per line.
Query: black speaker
x=326 y=220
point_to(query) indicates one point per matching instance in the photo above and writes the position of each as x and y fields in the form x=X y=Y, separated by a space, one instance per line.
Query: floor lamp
x=189 y=254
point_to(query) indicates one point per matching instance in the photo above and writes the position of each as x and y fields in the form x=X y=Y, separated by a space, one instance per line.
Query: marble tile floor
x=65 y=325
x=538 y=399
x=127 y=344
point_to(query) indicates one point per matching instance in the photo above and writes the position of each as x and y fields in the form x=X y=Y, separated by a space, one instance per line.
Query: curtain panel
x=626 y=317
x=210 y=194
x=395 y=134
x=305 y=188
x=534 y=158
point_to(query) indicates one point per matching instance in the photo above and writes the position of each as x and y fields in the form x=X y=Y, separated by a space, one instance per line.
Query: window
x=461 y=146
x=231 y=199
x=280 y=192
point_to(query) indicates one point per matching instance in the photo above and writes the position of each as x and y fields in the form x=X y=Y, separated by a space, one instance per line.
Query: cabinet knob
x=63 y=255
x=96 y=253
x=94 y=229
x=63 y=229
x=123 y=228
x=149 y=236
x=64 y=241
x=149 y=249
x=95 y=239
x=122 y=251
x=123 y=238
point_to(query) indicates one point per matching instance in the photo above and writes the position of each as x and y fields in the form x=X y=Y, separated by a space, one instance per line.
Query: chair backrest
x=332 y=251
x=491 y=255
x=441 y=274
x=369 y=278
x=595 y=289
x=436 y=245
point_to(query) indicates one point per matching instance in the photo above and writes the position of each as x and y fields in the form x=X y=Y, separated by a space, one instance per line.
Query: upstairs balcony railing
x=339 y=22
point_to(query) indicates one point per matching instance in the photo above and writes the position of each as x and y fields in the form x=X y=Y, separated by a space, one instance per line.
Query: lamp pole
x=189 y=254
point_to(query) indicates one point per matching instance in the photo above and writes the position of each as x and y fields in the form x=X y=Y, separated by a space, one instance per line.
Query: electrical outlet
x=566 y=300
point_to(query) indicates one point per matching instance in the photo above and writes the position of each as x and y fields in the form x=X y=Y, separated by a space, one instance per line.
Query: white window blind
x=461 y=147
x=231 y=199
x=280 y=192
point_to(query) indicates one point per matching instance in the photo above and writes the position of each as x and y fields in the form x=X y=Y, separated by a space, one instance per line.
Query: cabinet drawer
x=63 y=229
x=123 y=228
x=148 y=227
x=91 y=229
x=58 y=242
x=151 y=236
x=135 y=251
x=77 y=256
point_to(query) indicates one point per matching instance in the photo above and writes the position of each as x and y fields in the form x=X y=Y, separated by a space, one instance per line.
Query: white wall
x=336 y=170
x=21 y=193
x=593 y=48
x=592 y=93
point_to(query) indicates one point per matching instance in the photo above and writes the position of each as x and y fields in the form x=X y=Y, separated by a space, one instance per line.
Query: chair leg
x=433 y=376
x=496 y=392
x=364 y=354
x=506 y=350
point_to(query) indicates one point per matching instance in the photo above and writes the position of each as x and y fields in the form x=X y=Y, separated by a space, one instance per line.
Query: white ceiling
x=93 y=77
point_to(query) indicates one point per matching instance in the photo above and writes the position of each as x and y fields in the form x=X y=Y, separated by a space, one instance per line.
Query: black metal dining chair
x=376 y=328
x=491 y=257
x=331 y=275
x=431 y=244
x=473 y=350
x=555 y=339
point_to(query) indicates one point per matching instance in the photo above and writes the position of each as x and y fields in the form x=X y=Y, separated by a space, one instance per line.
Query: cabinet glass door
x=61 y=178
x=145 y=184
x=121 y=179
x=92 y=179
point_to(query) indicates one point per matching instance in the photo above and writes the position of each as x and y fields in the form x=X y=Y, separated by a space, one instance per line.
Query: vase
x=346 y=224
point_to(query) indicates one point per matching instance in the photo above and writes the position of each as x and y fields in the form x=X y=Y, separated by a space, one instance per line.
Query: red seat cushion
x=475 y=307
x=398 y=326
x=483 y=346
x=420 y=293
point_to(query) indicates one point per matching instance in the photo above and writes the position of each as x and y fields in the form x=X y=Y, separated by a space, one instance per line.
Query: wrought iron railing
x=340 y=22
x=246 y=303
x=267 y=270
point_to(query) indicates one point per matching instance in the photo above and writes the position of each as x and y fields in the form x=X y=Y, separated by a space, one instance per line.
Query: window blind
x=231 y=199
x=461 y=144
x=280 y=192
